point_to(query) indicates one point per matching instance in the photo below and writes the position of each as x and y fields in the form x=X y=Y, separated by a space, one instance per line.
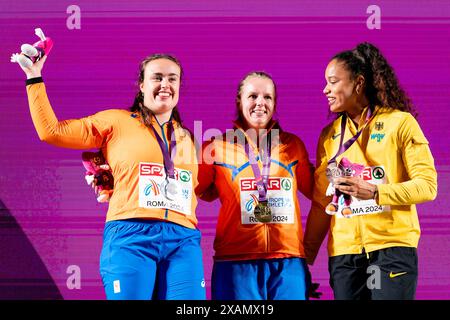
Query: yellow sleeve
x=419 y=165
x=318 y=222
x=206 y=189
x=85 y=133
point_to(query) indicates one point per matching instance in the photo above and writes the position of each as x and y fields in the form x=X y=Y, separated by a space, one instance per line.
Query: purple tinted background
x=95 y=68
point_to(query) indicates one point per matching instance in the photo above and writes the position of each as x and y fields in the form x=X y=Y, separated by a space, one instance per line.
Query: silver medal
x=171 y=189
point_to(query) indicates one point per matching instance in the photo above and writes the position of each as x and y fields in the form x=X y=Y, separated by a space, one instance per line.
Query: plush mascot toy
x=345 y=169
x=99 y=173
x=32 y=53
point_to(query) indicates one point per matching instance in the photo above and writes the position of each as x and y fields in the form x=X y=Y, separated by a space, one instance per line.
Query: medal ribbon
x=169 y=166
x=345 y=146
x=260 y=180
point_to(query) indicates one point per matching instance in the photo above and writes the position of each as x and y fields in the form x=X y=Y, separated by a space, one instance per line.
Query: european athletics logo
x=251 y=204
x=152 y=186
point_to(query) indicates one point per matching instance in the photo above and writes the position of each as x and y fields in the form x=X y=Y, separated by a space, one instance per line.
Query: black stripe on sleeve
x=34 y=80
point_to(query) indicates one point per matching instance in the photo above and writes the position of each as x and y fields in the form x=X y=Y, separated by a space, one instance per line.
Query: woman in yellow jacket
x=372 y=248
x=255 y=170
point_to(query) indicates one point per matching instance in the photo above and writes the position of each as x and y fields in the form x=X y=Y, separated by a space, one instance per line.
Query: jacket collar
x=238 y=125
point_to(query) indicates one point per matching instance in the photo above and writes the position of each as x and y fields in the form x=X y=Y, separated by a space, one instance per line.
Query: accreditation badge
x=158 y=191
x=373 y=175
x=280 y=204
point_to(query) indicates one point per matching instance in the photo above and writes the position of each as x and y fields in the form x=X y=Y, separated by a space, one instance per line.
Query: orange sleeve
x=304 y=171
x=318 y=222
x=85 y=133
x=206 y=189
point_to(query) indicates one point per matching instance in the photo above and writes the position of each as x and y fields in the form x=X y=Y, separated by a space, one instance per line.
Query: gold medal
x=262 y=212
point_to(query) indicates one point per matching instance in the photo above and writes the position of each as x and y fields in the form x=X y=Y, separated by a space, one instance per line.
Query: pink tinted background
x=95 y=68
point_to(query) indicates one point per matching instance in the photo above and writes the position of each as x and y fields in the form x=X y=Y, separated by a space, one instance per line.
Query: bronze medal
x=333 y=171
x=262 y=212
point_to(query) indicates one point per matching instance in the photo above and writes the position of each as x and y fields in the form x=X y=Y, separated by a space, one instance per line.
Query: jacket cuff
x=382 y=194
x=33 y=81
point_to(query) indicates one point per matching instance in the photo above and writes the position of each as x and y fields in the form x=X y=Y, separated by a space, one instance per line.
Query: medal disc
x=262 y=212
x=171 y=189
x=333 y=172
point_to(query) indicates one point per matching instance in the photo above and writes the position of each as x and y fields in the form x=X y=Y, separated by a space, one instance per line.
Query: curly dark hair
x=382 y=86
x=138 y=104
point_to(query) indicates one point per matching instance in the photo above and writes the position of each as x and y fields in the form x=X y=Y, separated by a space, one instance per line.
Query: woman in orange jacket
x=151 y=244
x=255 y=172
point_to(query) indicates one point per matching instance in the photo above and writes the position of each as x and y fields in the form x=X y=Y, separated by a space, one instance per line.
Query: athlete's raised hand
x=34 y=70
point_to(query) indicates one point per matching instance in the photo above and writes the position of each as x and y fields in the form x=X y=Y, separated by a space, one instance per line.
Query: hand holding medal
x=334 y=171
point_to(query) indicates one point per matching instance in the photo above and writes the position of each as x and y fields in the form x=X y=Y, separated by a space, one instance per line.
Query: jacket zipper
x=166 y=214
x=361 y=233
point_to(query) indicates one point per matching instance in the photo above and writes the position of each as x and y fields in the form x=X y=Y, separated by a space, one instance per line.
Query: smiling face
x=257 y=101
x=161 y=85
x=341 y=88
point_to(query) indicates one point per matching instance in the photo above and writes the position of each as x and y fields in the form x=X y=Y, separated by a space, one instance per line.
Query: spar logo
x=286 y=184
x=376 y=173
x=153 y=186
x=185 y=176
x=154 y=169
x=250 y=184
x=251 y=204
